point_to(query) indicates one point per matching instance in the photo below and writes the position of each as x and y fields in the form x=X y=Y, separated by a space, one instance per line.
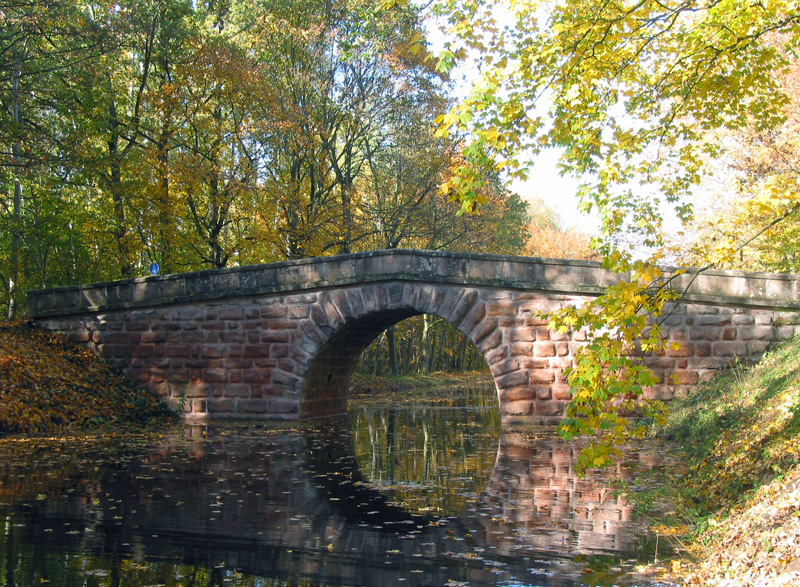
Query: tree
x=634 y=95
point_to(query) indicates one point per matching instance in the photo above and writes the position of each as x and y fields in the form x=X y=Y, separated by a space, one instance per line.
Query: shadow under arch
x=327 y=381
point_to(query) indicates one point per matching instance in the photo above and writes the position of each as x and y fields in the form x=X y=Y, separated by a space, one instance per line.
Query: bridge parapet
x=282 y=340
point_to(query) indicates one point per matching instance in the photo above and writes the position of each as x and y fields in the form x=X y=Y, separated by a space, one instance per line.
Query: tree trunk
x=392 y=351
x=16 y=211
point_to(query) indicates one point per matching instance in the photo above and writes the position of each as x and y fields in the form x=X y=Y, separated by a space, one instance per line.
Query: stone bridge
x=282 y=340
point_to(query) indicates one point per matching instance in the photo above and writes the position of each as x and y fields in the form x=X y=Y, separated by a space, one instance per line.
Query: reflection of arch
x=329 y=456
x=344 y=323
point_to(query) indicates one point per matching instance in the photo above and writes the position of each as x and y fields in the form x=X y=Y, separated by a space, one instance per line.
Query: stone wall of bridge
x=291 y=355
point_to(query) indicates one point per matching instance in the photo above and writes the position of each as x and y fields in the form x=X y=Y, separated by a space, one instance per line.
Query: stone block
x=544 y=349
x=713 y=319
x=548 y=408
x=517 y=408
x=756 y=333
x=683 y=377
x=522 y=334
x=299 y=312
x=486 y=336
x=512 y=379
x=231 y=313
x=513 y=394
x=474 y=317
x=684 y=350
x=561 y=392
x=541 y=376
x=522 y=349
x=705 y=333
x=496 y=354
x=274 y=311
x=729 y=349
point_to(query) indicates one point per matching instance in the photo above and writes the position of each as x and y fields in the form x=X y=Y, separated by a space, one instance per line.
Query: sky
x=544 y=181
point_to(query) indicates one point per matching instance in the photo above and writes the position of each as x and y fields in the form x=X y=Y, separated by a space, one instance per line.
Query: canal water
x=430 y=493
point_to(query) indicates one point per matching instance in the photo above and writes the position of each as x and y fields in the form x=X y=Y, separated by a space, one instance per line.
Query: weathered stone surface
x=282 y=340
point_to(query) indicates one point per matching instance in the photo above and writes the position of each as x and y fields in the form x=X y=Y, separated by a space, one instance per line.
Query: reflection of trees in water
x=429 y=460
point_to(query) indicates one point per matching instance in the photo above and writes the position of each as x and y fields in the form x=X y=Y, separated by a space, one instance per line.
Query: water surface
x=417 y=495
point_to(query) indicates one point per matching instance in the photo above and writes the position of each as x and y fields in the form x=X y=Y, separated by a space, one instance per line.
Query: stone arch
x=344 y=322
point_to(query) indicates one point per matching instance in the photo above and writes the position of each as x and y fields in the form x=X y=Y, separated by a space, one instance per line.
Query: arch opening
x=403 y=341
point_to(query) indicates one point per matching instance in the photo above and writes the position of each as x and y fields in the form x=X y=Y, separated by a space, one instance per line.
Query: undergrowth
x=48 y=383
x=739 y=440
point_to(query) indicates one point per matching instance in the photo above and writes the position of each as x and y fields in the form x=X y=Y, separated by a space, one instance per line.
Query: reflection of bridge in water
x=294 y=506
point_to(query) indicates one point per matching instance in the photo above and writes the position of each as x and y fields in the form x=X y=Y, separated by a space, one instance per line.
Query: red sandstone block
x=513 y=394
x=177 y=351
x=279 y=351
x=702 y=349
x=280 y=405
x=561 y=392
x=236 y=363
x=729 y=349
x=215 y=376
x=501 y=308
x=505 y=366
x=683 y=377
x=661 y=392
x=562 y=349
x=257 y=376
x=236 y=390
x=764 y=318
x=218 y=405
x=548 y=408
x=474 y=317
x=137 y=326
x=495 y=355
x=522 y=349
x=260 y=351
x=541 y=376
x=198 y=406
x=229 y=336
x=522 y=334
x=544 y=392
x=274 y=311
x=517 y=408
x=212 y=351
x=192 y=337
x=299 y=311
x=82 y=336
x=544 y=349
x=484 y=341
x=758 y=347
x=512 y=379
x=535 y=363
x=151 y=336
x=685 y=350
x=233 y=313
x=713 y=320
x=143 y=350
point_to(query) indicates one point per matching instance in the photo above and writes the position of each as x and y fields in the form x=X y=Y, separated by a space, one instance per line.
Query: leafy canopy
x=634 y=94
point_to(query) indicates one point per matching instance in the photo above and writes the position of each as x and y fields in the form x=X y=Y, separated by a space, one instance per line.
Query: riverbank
x=48 y=384
x=736 y=511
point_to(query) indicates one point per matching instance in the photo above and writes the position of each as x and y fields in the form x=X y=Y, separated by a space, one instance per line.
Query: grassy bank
x=738 y=506
x=49 y=384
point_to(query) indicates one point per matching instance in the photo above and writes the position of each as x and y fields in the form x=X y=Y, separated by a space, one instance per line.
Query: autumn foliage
x=46 y=382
